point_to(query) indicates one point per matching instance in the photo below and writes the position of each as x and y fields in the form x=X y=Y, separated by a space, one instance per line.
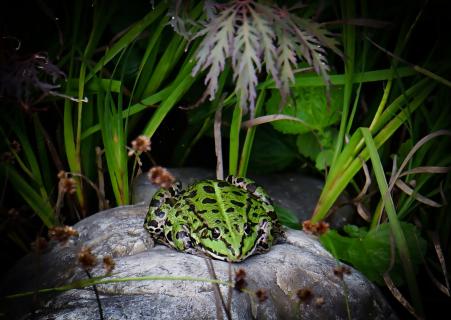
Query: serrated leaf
x=253 y=34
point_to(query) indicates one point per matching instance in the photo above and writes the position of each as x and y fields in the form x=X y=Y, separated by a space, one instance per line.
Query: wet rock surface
x=298 y=264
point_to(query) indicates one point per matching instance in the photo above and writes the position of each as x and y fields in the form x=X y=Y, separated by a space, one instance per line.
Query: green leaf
x=308 y=145
x=369 y=252
x=287 y=217
x=324 y=159
x=271 y=151
x=310 y=106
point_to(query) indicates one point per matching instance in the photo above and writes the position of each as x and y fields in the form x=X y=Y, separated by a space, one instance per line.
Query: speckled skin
x=226 y=220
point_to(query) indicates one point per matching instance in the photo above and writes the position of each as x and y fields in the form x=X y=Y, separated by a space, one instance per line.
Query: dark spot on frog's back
x=159 y=213
x=153 y=223
x=230 y=209
x=223 y=184
x=237 y=193
x=208 y=189
x=237 y=203
x=192 y=194
x=154 y=203
x=208 y=200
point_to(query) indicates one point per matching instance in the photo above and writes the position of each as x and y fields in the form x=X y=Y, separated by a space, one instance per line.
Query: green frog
x=227 y=220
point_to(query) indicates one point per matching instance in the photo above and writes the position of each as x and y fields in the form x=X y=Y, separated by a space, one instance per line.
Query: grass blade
x=397 y=232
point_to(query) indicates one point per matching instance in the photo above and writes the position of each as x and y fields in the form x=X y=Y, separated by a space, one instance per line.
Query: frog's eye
x=216 y=233
x=247 y=228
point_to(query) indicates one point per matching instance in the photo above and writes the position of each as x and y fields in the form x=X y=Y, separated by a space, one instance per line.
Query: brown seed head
x=86 y=258
x=66 y=183
x=108 y=264
x=341 y=270
x=261 y=294
x=7 y=158
x=160 y=176
x=139 y=145
x=317 y=229
x=304 y=294
x=240 y=280
x=39 y=245
x=15 y=146
x=62 y=234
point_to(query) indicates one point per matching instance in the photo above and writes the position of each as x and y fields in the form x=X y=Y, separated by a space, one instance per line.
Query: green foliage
x=252 y=34
x=271 y=152
x=287 y=218
x=370 y=250
x=310 y=106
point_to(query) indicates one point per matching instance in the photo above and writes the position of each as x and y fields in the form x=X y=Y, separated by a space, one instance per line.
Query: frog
x=227 y=220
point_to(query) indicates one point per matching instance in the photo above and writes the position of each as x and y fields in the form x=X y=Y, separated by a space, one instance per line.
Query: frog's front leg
x=159 y=207
x=179 y=236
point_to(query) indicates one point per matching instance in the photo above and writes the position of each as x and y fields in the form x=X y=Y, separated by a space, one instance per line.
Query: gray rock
x=299 y=263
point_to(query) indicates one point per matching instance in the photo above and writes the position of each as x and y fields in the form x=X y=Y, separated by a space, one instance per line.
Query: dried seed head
x=86 y=258
x=261 y=294
x=66 y=184
x=341 y=270
x=304 y=294
x=160 y=176
x=62 y=234
x=317 y=229
x=13 y=214
x=7 y=158
x=39 y=245
x=240 y=280
x=139 y=145
x=108 y=264
x=15 y=146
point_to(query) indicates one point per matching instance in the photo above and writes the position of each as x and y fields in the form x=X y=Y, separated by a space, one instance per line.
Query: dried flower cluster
x=39 y=245
x=108 y=264
x=66 y=183
x=7 y=157
x=304 y=294
x=86 y=258
x=240 y=280
x=317 y=229
x=161 y=176
x=139 y=145
x=62 y=234
x=341 y=270
x=252 y=34
x=262 y=295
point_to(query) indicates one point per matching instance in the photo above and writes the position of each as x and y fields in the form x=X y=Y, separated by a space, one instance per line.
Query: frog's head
x=237 y=245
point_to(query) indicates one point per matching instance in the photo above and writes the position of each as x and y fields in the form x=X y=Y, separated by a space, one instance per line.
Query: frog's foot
x=180 y=239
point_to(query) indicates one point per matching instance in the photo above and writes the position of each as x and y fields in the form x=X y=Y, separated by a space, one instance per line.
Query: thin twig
x=99 y=304
x=218 y=142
